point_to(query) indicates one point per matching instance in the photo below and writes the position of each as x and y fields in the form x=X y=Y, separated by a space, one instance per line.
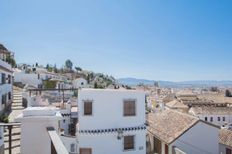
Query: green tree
x=11 y=60
x=55 y=69
x=78 y=69
x=69 y=64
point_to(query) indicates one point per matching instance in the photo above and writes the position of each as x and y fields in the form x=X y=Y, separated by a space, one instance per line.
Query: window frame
x=134 y=144
x=211 y=119
x=83 y=107
x=86 y=149
x=72 y=148
x=135 y=104
x=223 y=118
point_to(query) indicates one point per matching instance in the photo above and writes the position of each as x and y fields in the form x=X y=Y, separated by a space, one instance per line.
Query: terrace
x=6 y=59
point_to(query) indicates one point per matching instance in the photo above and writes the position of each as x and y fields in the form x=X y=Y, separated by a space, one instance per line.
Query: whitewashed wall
x=108 y=109
x=108 y=113
x=30 y=79
x=201 y=138
x=79 y=83
x=109 y=144
x=228 y=119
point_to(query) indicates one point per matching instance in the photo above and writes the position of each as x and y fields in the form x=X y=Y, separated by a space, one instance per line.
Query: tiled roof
x=176 y=104
x=225 y=137
x=217 y=98
x=168 y=125
x=210 y=110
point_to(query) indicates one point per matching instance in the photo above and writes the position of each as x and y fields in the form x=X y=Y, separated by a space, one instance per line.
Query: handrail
x=57 y=144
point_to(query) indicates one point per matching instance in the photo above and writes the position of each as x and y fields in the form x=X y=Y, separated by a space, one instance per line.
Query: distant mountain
x=198 y=83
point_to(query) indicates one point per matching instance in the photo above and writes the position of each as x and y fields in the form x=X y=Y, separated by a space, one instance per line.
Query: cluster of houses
x=103 y=121
x=35 y=76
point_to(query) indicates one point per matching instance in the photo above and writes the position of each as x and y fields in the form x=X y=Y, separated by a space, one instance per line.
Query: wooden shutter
x=128 y=142
x=85 y=151
x=88 y=108
x=129 y=108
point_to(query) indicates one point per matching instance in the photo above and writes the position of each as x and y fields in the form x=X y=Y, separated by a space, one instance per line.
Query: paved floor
x=16 y=110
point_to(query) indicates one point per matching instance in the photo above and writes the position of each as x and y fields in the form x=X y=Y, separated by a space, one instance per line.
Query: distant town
x=70 y=110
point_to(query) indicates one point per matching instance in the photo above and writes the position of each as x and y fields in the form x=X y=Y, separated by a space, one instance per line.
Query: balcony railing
x=57 y=146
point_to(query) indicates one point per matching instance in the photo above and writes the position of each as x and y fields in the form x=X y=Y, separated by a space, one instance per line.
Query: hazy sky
x=162 y=40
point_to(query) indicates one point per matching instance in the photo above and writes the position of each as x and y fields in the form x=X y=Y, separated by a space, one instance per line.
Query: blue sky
x=161 y=40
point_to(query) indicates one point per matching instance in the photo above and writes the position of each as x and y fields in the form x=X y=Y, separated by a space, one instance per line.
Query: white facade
x=218 y=118
x=107 y=117
x=34 y=135
x=29 y=79
x=71 y=144
x=6 y=89
x=79 y=83
x=201 y=138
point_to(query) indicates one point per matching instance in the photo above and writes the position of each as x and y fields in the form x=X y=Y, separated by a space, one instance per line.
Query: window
x=85 y=151
x=63 y=120
x=219 y=118
x=224 y=118
x=128 y=142
x=3 y=78
x=206 y=119
x=129 y=108
x=88 y=108
x=211 y=119
x=3 y=99
x=9 y=95
x=72 y=148
x=9 y=79
x=228 y=151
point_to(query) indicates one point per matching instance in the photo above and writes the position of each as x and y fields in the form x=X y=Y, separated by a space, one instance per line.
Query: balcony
x=6 y=59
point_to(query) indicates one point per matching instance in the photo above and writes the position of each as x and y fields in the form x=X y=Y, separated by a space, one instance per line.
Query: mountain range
x=195 y=83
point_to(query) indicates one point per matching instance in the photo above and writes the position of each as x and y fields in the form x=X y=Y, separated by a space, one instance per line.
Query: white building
x=5 y=80
x=173 y=132
x=31 y=79
x=79 y=83
x=111 y=121
x=5 y=86
x=220 y=116
x=34 y=122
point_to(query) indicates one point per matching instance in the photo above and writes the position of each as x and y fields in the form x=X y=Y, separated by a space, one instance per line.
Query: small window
x=64 y=121
x=88 y=108
x=206 y=119
x=129 y=108
x=224 y=118
x=85 y=151
x=9 y=95
x=72 y=148
x=9 y=79
x=3 y=78
x=129 y=143
x=219 y=118
x=211 y=119
x=3 y=99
